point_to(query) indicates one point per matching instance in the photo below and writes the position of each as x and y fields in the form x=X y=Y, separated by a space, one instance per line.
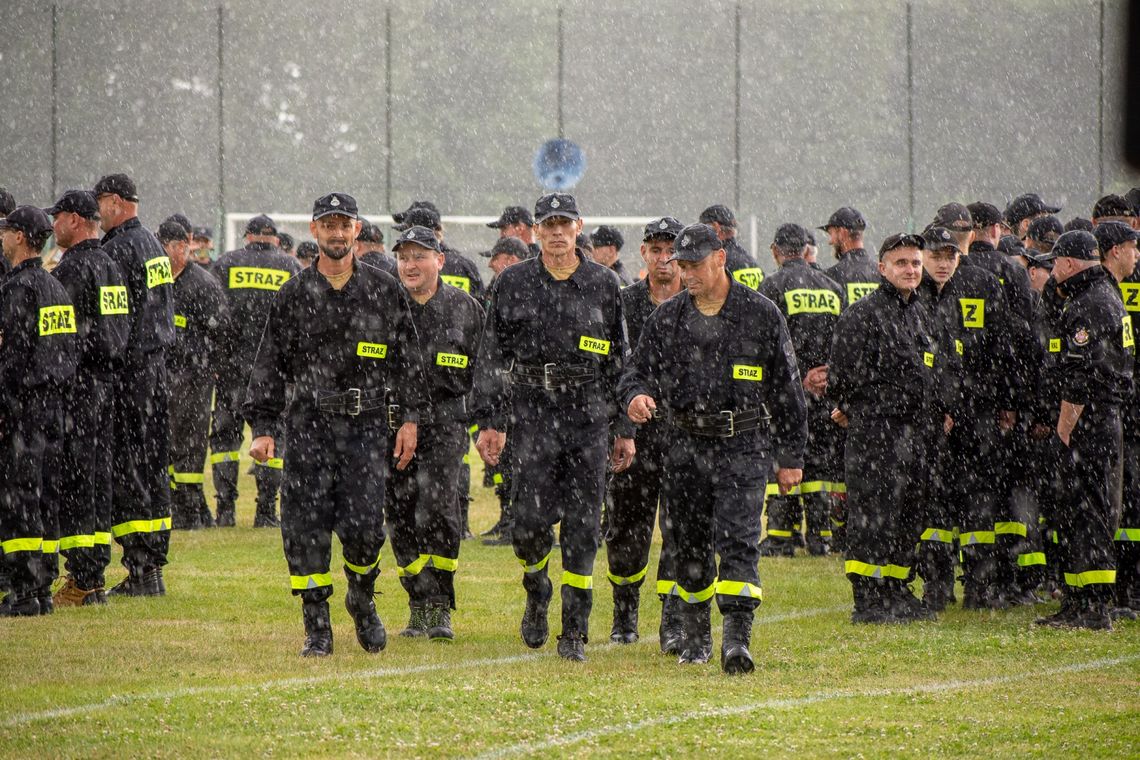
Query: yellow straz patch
x=959 y=348
x=56 y=320
x=451 y=360
x=180 y=321
x=857 y=290
x=372 y=350
x=1054 y=345
x=750 y=277
x=747 y=372
x=973 y=312
x=928 y=359
x=1126 y=329
x=463 y=283
x=113 y=299
x=594 y=345
x=158 y=272
x=1130 y=292
x=805 y=301
x=257 y=278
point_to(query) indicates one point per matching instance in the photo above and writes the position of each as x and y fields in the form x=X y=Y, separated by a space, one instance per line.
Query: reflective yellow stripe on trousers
x=875 y=571
x=316 y=580
x=1127 y=534
x=629 y=580
x=102 y=538
x=537 y=567
x=1090 y=577
x=362 y=569
x=22 y=545
x=67 y=543
x=224 y=456
x=1030 y=559
x=942 y=535
x=1010 y=528
x=738 y=588
x=50 y=547
x=141 y=526
x=972 y=537
x=276 y=463
x=436 y=561
x=694 y=597
x=667 y=588
x=584 y=582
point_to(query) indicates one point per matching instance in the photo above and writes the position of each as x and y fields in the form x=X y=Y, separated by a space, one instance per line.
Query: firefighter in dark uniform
x=971 y=325
x=250 y=277
x=424 y=511
x=38 y=354
x=717 y=365
x=636 y=493
x=607 y=242
x=199 y=313
x=882 y=378
x=370 y=248
x=341 y=332
x=458 y=270
x=517 y=222
x=810 y=302
x=740 y=263
x=555 y=332
x=140 y=406
x=1094 y=377
x=96 y=288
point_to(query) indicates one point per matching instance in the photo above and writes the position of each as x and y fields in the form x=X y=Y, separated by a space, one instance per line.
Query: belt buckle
x=731 y=423
x=393 y=414
x=352 y=406
x=547 y=384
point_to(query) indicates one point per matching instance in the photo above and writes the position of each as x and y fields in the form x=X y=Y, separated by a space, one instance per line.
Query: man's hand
x=815 y=381
x=405 y=444
x=641 y=409
x=947 y=424
x=839 y=418
x=490 y=445
x=262 y=449
x=1067 y=420
x=1040 y=432
x=623 y=453
x=1006 y=420
x=788 y=479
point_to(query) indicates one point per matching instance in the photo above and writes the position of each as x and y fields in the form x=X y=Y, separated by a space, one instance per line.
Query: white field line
x=533 y=748
x=285 y=683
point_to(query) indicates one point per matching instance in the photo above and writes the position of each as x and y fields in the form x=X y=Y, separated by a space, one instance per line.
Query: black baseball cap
x=181 y=219
x=512 y=215
x=937 y=238
x=307 y=250
x=117 y=184
x=847 y=218
x=984 y=214
x=1025 y=206
x=665 y=227
x=171 y=230
x=81 y=202
x=417 y=235
x=1039 y=259
x=7 y=202
x=1079 y=223
x=1133 y=197
x=555 y=204
x=790 y=236
x=1112 y=205
x=1046 y=229
x=420 y=216
x=1077 y=244
x=695 y=242
x=1012 y=245
x=398 y=217
x=1111 y=234
x=508 y=246
x=901 y=240
x=335 y=203
x=607 y=235
x=203 y=233
x=29 y=220
x=370 y=233
x=261 y=225
x=719 y=213
x=953 y=216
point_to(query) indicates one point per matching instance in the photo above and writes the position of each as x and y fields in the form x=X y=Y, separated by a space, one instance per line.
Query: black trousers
x=141 y=461
x=25 y=509
x=973 y=477
x=190 y=392
x=85 y=481
x=635 y=495
x=1127 y=535
x=822 y=480
x=334 y=482
x=559 y=477
x=715 y=491
x=1034 y=484
x=226 y=433
x=425 y=515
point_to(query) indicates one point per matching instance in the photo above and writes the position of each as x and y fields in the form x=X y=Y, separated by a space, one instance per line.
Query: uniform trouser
x=189 y=429
x=85 y=485
x=1089 y=509
x=334 y=482
x=937 y=548
x=425 y=516
x=226 y=432
x=635 y=495
x=822 y=481
x=886 y=464
x=559 y=476
x=1127 y=535
x=973 y=478
x=24 y=511
x=715 y=491
x=140 y=464
x=1033 y=487
x=504 y=485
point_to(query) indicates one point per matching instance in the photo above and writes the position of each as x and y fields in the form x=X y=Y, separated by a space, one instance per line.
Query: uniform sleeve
x=847 y=359
x=410 y=380
x=490 y=390
x=265 y=399
x=18 y=317
x=789 y=412
x=215 y=309
x=643 y=368
x=1083 y=334
x=473 y=327
x=614 y=366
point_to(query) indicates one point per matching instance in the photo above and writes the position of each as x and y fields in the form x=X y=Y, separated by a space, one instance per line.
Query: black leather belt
x=453 y=410
x=724 y=424
x=350 y=402
x=553 y=376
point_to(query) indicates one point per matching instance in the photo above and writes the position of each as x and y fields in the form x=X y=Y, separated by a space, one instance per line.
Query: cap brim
x=496 y=225
x=941 y=245
x=331 y=212
x=564 y=214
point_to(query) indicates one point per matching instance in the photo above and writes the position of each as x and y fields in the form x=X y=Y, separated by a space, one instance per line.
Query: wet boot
x=1071 y=604
x=1128 y=575
x=535 y=627
x=20 y=603
x=778 y=546
x=226 y=516
x=318 y=629
x=361 y=606
x=417 y=626
x=626 y=600
x=140 y=581
x=1095 y=614
x=935 y=565
x=266 y=514
x=571 y=646
x=870 y=601
x=734 y=655
x=696 y=633
x=439 y=622
x=903 y=605
x=669 y=632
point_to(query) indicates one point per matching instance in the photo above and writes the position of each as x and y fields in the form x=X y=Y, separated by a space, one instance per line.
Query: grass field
x=211 y=670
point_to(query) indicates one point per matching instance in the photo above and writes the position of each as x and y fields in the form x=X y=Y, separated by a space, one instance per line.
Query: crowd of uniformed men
x=960 y=408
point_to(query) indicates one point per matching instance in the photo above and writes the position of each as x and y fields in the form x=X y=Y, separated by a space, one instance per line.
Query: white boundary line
x=193 y=691
x=534 y=748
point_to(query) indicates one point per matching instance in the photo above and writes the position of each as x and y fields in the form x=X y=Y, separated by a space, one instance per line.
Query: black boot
x=417 y=626
x=1071 y=604
x=140 y=581
x=361 y=606
x=903 y=605
x=626 y=600
x=266 y=514
x=696 y=633
x=1095 y=614
x=318 y=629
x=439 y=622
x=777 y=546
x=226 y=516
x=870 y=601
x=734 y=654
x=24 y=603
x=669 y=632
x=572 y=647
x=535 y=628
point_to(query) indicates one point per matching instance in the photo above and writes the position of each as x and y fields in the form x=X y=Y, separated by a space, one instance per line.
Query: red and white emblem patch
x=1081 y=337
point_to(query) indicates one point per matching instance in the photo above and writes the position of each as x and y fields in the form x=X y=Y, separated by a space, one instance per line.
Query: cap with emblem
x=171 y=230
x=939 y=238
x=1111 y=234
x=1112 y=205
x=984 y=214
x=1045 y=230
x=203 y=233
x=81 y=202
x=901 y=240
x=261 y=225
x=1025 y=206
x=555 y=204
x=417 y=235
x=512 y=215
x=954 y=216
x=1077 y=244
x=607 y=235
x=335 y=203
x=30 y=220
x=666 y=227
x=420 y=216
x=370 y=233
x=117 y=184
x=847 y=218
x=695 y=242
x=719 y=213
x=790 y=237
x=398 y=217
x=508 y=246
x=1011 y=245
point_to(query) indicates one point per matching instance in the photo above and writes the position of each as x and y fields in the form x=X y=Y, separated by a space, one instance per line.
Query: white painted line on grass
x=533 y=748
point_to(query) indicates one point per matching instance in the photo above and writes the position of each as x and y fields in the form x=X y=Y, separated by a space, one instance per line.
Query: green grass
x=211 y=670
